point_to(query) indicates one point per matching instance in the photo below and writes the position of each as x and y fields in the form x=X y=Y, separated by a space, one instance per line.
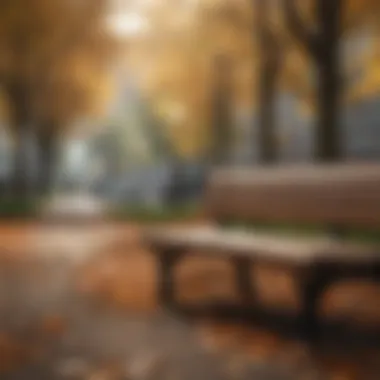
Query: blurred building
x=361 y=129
x=360 y=132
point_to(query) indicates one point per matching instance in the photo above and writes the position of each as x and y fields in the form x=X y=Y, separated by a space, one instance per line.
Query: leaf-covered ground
x=79 y=303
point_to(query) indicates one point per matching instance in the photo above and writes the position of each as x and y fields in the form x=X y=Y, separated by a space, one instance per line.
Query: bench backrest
x=343 y=195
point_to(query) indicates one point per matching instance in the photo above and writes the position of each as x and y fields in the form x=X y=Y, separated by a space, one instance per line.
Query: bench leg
x=243 y=278
x=376 y=270
x=312 y=290
x=166 y=282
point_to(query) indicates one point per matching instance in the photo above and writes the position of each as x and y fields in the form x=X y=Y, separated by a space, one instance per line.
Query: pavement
x=75 y=206
x=70 y=300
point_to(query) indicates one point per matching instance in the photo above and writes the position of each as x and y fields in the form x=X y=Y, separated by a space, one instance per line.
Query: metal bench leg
x=312 y=290
x=166 y=282
x=243 y=278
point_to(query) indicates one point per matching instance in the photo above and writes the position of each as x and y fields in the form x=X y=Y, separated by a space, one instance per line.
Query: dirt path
x=79 y=303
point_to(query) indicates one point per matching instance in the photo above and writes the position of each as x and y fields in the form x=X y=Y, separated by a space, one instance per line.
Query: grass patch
x=305 y=230
x=14 y=208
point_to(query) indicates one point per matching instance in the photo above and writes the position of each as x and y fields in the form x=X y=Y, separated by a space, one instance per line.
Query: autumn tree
x=225 y=60
x=221 y=111
x=177 y=56
x=321 y=29
x=322 y=43
x=241 y=33
x=38 y=39
x=270 y=53
x=73 y=88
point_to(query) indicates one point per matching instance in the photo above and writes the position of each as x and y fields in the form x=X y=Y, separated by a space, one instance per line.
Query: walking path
x=78 y=302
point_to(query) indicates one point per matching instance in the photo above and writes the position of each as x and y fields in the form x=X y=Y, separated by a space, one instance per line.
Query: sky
x=127 y=16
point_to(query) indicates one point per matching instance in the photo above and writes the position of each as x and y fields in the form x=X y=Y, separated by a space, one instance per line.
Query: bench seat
x=266 y=247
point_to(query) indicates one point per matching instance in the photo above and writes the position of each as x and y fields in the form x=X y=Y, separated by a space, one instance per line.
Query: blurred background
x=118 y=110
x=132 y=101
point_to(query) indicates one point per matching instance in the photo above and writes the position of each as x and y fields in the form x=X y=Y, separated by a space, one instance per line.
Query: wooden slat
x=265 y=247
x=346 y=195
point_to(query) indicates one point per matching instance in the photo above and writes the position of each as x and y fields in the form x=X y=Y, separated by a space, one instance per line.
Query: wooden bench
x=338 y=197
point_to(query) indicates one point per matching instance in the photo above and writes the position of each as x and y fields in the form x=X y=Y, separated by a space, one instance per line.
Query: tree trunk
x=20 y=123
x=268 y=73
x=323 y=43
x=176 y=188
x=328 y=74
x=268 y=150
x=19 y=178
x=47 y=161
x=266 y=119
x=327 y=128
x=221 y=112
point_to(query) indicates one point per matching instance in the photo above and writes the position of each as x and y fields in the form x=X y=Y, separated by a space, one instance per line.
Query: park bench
x=337 y=198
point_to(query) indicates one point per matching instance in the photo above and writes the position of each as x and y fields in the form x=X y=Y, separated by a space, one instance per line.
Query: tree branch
x=297 y=27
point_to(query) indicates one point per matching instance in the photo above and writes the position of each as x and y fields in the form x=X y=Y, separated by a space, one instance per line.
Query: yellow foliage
x=359 y=76
x=175 y=60
x=369 y=84
x=56 y=54
x=360 y=12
